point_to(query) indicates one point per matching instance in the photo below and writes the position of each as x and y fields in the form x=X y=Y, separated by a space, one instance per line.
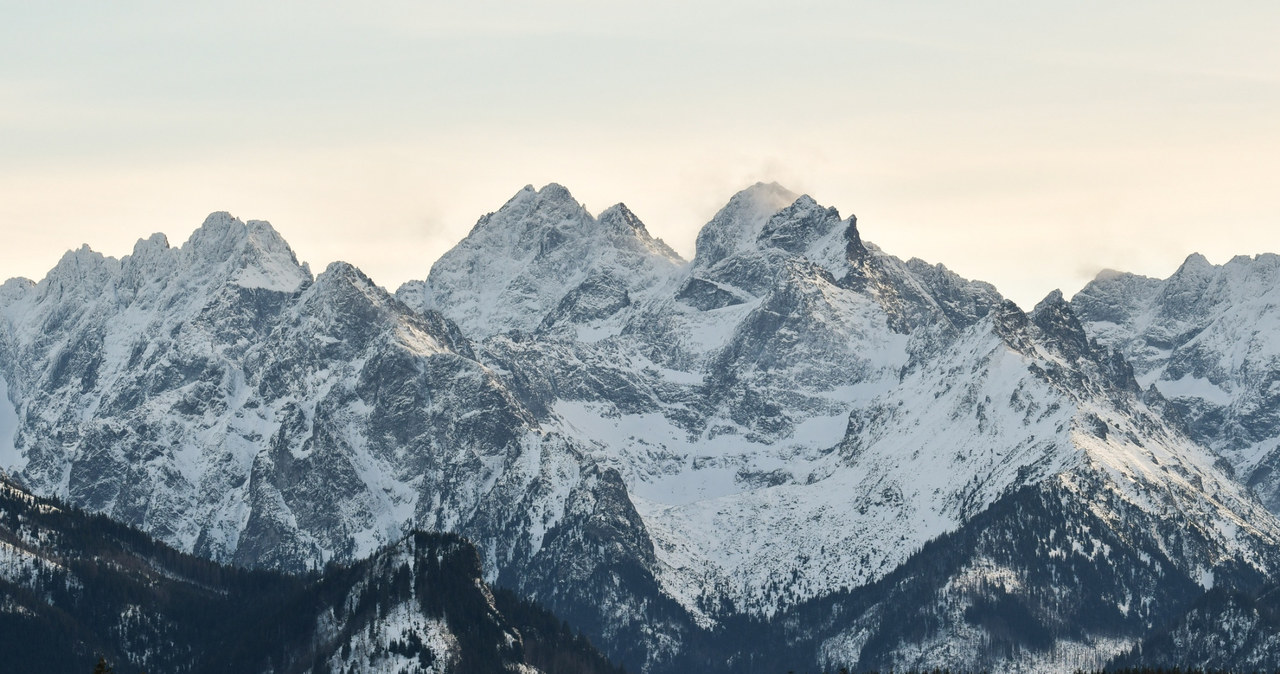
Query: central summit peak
x=741 y=220
x=520 y=263
x=552 y=203
x=769 y=194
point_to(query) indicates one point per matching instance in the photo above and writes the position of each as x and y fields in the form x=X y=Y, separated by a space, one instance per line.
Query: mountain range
x=793 y=450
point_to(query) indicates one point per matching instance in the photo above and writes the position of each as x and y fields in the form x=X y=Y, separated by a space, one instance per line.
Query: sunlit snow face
x=1028 y=146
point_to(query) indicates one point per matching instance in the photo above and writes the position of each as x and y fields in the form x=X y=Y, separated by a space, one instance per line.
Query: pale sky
x=1029 y=144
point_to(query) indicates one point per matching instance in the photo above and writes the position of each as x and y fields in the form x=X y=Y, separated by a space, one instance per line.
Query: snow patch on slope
x=10 y=458
x=764 y=522
x=370 y=650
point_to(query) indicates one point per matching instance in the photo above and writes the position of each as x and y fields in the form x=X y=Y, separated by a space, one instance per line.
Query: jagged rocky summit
x=793 y=436
x=1206 y=339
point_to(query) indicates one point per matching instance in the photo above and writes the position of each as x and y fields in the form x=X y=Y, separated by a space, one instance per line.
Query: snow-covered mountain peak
x=349 y=297
x=1251 y=273
x=541 y=250
x=1265 y=259
x=14 y=288
x=221 y=232
x=744 y=251
x=740 y=222
x=531 y=209
x=1054 y=316
x=1059 y=324
x=797 y=226
x=1196 y=261
x=253 y=253
x=345 y=317
x=1254 y=270
x=620 y=219
x=1115 y=296
x=81 y=272
x=152 y=245
x=555 y=199
x=344 y=301
x=763 y=197
x=79 y=261
x=343 y=279
x=1054 y=298
x=152 y=261
x=345 y=272
x=1108 y=274
x=554 y=193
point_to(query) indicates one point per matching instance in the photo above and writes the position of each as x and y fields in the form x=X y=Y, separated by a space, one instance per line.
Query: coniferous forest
x=96 y=591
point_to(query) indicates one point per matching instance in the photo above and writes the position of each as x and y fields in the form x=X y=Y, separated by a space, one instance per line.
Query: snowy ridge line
x=1205 y=338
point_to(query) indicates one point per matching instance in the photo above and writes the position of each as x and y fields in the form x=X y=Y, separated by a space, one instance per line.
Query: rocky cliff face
x=1206 y=339
x=656 y=449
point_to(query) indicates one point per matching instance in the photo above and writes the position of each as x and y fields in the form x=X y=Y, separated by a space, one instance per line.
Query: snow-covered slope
x=1208 y=339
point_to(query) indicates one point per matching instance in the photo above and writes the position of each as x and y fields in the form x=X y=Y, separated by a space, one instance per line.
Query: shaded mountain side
x=75 y=586
x=1040 y=581
x=1228 y=629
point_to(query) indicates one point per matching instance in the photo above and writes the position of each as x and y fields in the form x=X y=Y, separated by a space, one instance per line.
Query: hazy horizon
x=1029 y=146
x=318 y=266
